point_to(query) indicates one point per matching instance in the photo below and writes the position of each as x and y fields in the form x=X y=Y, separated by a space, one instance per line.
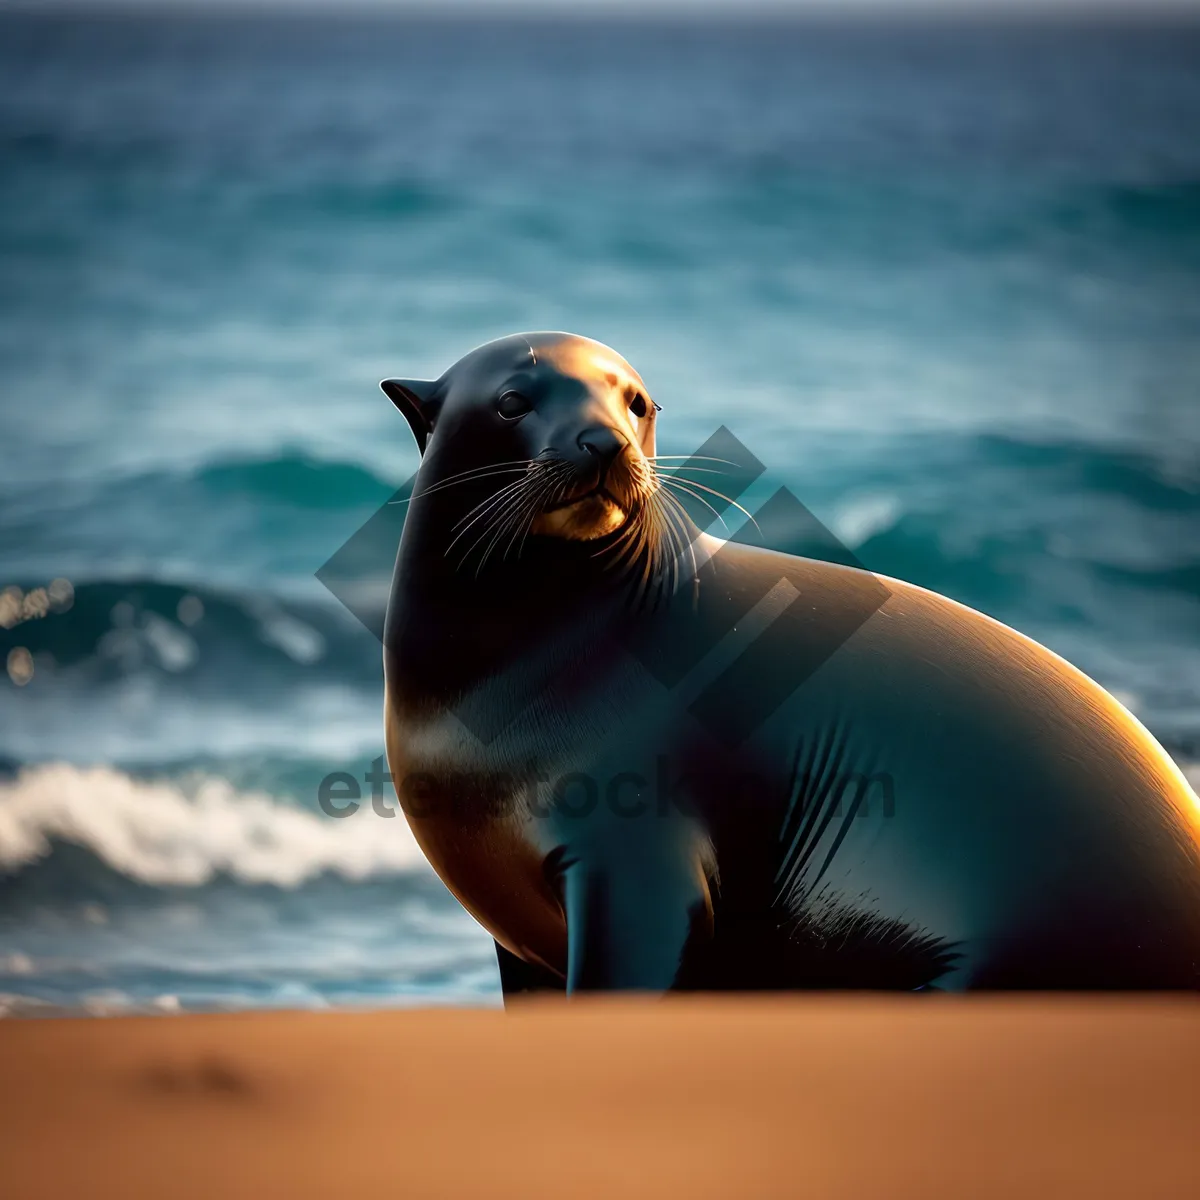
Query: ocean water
x=943 y=280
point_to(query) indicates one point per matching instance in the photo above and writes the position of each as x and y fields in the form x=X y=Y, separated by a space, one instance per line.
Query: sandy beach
x=822 y=1097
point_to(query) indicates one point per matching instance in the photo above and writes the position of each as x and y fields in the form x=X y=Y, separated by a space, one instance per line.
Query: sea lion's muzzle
x=596 y=504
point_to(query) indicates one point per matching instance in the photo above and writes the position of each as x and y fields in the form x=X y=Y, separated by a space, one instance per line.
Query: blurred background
x=939 y=270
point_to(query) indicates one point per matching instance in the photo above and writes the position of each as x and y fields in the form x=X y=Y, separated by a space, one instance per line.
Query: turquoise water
x=944 y=281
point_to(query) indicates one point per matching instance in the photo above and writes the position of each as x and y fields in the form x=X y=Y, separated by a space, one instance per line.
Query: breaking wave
x=165 y=834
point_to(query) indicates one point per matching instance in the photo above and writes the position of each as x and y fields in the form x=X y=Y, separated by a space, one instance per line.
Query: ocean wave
x=1159 y=481
x=1158 y=211
x=165 y=835
x=239 y=519
x=286 y=473
x=295 y=477
x=1054 y=521
x=144 y=671
x=128 y=625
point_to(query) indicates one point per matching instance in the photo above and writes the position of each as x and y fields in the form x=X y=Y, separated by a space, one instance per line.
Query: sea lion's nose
x=601 y=443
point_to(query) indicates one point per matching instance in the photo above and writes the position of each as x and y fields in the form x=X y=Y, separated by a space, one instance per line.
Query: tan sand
x=879 y=1098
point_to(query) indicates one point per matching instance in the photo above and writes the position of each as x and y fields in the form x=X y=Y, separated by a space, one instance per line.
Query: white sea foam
x=862 y=517
x=157 y=833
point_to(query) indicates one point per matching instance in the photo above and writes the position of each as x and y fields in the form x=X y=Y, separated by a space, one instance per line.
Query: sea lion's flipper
x=628 y=924
x=518 y=977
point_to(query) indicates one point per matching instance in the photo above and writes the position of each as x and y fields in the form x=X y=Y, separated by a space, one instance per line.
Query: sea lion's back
x=1030 y=819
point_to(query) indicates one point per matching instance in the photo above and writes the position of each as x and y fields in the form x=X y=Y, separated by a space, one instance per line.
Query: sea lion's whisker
x=524 y=509
x=673 y=472
x=687 y=491
x=679 y=522
x=628 y=544
x=666 y=561
x=720 y=496
x=490 y=518
x=641 y=544
x=675 y=524
x=487 y=504
x=468 y=477
x=672 y=519
x=498 y=515
x=520 y=516
x=508 y=487
x=647 y=542
x=627 y=548
x=529 y=517
x=512 y=502
x=558 y=479
x=555 y=487
x=657 y=458
x=624 y=548
x=483 y=468
x=555 y=476
x=668 y=579
x=496 y=523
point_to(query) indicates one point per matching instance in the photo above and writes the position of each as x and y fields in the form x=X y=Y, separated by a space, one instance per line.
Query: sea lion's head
x=543 y=434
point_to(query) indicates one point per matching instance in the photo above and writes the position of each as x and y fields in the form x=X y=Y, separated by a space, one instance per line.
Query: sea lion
x=938 y=803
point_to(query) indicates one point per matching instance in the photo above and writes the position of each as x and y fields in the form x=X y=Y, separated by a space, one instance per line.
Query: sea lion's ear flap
x=417 y=399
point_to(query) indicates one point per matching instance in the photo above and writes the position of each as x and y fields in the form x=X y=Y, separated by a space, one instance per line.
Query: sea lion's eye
x=512 y=405
x=637 y=405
